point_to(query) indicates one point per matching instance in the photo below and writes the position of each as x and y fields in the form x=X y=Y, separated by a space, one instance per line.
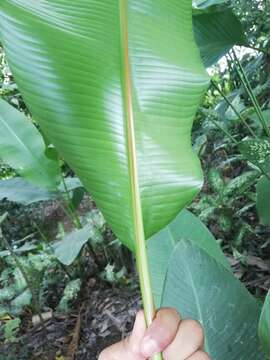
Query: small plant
x=11 y=328
x=71 y=292
x=217 y=206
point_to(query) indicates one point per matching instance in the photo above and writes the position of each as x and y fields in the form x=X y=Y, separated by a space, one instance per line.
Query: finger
x=138 y=332
x=128 y=349
x=188 y=340
x=199 y=355
x=161 y=332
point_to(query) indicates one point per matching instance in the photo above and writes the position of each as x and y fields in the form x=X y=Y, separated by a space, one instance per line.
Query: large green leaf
x=263 y=203
x=202 y=289
x=114 y=84
x=216 y=31
x=161 y=246
x=264 y=325
x=23 y=149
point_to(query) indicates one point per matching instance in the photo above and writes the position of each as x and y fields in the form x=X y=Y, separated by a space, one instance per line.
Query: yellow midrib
x=130 y=126
x=141 y=256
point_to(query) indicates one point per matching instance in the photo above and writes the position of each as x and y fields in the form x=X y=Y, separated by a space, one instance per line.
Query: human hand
x=177 y=339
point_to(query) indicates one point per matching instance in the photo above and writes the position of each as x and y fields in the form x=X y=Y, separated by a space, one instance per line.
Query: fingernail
x=149 y=346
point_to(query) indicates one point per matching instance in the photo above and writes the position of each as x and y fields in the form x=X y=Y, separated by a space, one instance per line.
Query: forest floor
x=103 y=313
x=102 y=317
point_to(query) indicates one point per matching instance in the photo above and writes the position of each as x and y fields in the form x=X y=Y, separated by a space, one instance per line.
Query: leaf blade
x=67 y=250
x=161 y=246
x=262 y=203
x=23 y=149
x=215 y=40
x=82 y=110
x=264 y=325
x=196 y=284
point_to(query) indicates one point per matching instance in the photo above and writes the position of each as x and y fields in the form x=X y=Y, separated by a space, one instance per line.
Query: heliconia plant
x=190 y=273
x=212 y=37
x=22 y=148
x=115 y=86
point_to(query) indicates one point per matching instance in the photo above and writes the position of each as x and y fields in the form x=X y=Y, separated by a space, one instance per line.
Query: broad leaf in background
x=71 y=183
x=257 y=151
x=21 y=191
x=216 y=31
x=238 y=185
x=239 y=105
x=224 y=111
x=201 y=4
x=69 y=248
x=215 y=180
x=11 y=328
x=203 y=289
x=263 y=200
x=77 y=197
x=23 y=149
x=22 y=249
x=266 y=115
x=264 y=325
x=161 y=246
x=80 y=98
x=70 y=293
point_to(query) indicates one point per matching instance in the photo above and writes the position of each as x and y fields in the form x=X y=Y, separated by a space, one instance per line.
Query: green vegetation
x=103 y=159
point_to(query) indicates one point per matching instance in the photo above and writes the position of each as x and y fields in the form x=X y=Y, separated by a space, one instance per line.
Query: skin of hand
x=177 y=339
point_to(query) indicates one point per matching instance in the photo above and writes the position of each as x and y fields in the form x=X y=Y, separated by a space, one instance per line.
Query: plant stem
x=69 y=212
x=234 y=109
x=242 y=75
x=46 y=240
x=264 y=51
x=70 y=206
x=229 y=63
x=223 y=130
x=139 y=236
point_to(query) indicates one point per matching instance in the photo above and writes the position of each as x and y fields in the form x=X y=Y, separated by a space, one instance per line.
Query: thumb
x=129 y=348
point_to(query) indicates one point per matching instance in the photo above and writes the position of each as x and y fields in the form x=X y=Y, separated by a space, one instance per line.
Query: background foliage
x=56 y=245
